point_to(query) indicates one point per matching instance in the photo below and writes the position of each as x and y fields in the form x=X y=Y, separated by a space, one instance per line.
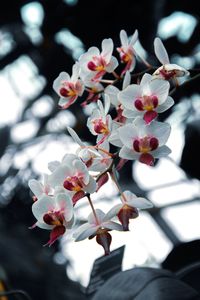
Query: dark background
x=27 y=264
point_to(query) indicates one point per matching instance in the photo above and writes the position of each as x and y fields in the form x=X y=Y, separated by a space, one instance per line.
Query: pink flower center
x=167 y=74
x=97 y=64
x=126 y=55
x=146 y=144
x=73 y=183
x=146 y=103
x=68 y=90
x=54 y=218
x=100 y=127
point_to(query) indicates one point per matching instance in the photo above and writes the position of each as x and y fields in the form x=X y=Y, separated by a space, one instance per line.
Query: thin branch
x=175 y=89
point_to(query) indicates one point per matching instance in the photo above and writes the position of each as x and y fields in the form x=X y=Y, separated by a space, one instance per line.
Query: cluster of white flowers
x=134 y=132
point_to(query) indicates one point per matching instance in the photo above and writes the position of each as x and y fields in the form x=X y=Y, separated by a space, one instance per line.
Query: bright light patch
x=63 y=119
x=71 y=42
x=24 y=131
x=165 y=172
x=53 y=150
x=19 y=82
x=183 y=191
x=184 y=220
x=184 y=61
x=11 y=106
x=71 y=2
x=42 y=107
x=24 y=78
x=7 y=43
x=32 y=14
x=178 y=23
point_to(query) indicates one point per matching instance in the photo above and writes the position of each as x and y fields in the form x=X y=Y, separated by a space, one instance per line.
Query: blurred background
x=38 y=40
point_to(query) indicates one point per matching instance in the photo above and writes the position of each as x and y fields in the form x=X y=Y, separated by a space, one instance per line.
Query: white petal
x=112 y=91
x=107 y=49
x=112 y=65
x=64 y=203
x=161 y=152
x=36 y=187
x=91 y=186
x=112 y=225
x=159 y=88
x=159 y=130
x=127 y=153
x=69 y=158
x=53 y=165
x=131 y=113
x=63 y=76
x=62 y=101
x=75 y=72
x=137 y=202
x=160 y=51
x=59 y=175
x=85 y=232
x=124 y=38
x=75 y=136
x=129 y=195
x=106 y=104
x=42 y=206
x=166 y=105
x=70 y=223
x=134 y=38
x=44 y=225
x=146 y=79
x=61 y=190
x=114 y=139
x=180 y=71
x=112 y=212
x=127 y=80
x=101 y=108
x=100 y=215
x=129 y=95
x=127 y=134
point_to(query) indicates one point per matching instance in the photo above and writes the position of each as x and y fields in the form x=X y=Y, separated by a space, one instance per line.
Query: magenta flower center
x=146 y=144
x=97 y=64
x=147 y=103
x=73 y=183
x=68 y=90
x=167 y=74
x=100 y=127
x=54 y=218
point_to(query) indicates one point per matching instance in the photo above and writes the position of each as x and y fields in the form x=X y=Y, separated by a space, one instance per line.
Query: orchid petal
x=107 y=49
x=166 y=105
x=42 y=206
x=127 y=153
x=161 y=151
x=36 y=187
x=160 y=51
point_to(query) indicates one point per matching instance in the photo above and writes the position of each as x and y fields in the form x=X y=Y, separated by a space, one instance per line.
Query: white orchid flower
x=167 y=70
x=55 y=214
x=98 y=225
x=94 y=64
x=68 y=88
x=128 y=209
x=147 y=99
x=126 y=51
x=144 y=142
